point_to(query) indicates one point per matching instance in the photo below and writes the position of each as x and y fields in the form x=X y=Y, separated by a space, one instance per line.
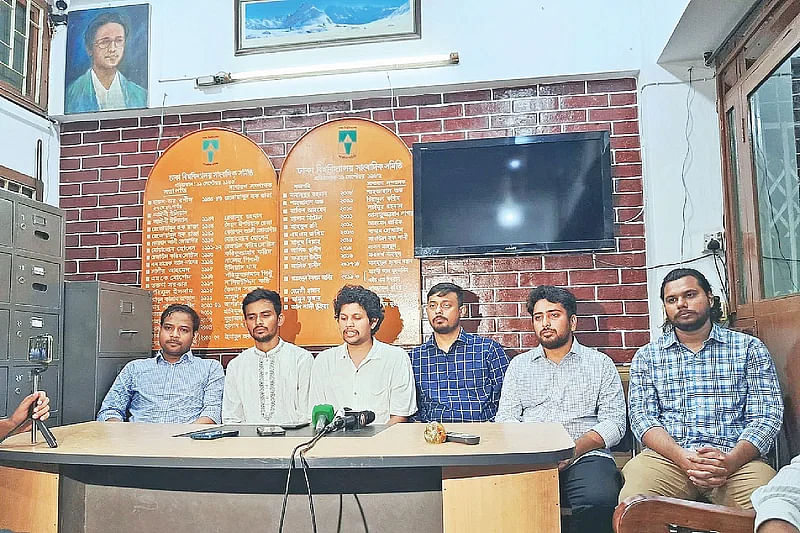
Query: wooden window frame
x=32 y=103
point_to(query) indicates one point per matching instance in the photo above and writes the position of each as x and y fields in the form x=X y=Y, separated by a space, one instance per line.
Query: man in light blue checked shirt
x=563 y=381
x=174 y=387
x=704 y=400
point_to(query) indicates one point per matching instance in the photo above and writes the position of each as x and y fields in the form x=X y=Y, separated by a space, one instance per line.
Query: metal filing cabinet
x=31 y=297
x=106 y=325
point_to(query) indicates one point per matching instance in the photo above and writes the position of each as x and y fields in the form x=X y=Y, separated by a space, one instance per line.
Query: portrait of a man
x=107 y=59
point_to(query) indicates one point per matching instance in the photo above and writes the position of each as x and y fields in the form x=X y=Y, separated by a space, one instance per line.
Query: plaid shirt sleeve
x=212 y=395
x=642 y=396
x=510 y=409
x=611 y=421
x=118 y=398
x=498 y=365
x=764 y=408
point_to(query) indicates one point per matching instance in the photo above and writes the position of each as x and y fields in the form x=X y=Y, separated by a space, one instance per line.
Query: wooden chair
x=655 y=514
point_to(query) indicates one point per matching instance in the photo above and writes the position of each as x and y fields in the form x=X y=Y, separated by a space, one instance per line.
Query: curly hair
x=356 y=294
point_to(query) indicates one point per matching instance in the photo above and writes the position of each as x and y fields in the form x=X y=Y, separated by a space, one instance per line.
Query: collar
x=717 y=334
x=273 y=351
x=463 y=337
x=575 y=351
x=374 y=352
x=188 y=356
x=99 y=85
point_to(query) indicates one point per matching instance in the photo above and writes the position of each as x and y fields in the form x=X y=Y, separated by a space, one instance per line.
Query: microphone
x=321 y=416
x=353 y=419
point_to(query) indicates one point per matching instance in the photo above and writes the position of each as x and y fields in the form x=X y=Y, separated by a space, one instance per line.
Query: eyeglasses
x=106 y=42
x=445 y=306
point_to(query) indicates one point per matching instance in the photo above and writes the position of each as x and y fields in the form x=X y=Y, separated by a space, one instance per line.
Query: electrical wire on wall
x=687 y=158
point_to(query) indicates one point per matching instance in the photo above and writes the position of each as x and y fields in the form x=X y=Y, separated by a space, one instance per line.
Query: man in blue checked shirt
x=458 y=375
x=704 y=400
x=174 y=387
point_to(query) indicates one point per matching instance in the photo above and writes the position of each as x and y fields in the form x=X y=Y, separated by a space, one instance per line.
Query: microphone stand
x=36 y=423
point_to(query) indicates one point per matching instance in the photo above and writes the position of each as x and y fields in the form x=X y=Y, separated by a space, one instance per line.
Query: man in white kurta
x=267 y=383
x=364 y=373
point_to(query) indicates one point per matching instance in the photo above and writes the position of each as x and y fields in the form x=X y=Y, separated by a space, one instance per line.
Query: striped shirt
x=154 y=390
x=582 y=392
x=462 y=385
x=726 y=392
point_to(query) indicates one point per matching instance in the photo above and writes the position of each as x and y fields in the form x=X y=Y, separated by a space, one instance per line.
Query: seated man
x=704 y=400
x=563 y=381
x=458 y=375
x=20 y=421
x=777 y=504
x=267 y=383
x=363 y=373
x=174 y=387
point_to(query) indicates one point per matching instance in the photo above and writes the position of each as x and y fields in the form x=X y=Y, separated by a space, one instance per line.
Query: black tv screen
x=513 y=195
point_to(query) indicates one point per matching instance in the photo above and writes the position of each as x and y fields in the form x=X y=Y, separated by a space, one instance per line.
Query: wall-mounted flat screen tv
x=513 y=195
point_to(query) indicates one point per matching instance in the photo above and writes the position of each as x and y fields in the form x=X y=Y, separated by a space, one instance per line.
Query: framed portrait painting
x=107 y=59
x=270 y=25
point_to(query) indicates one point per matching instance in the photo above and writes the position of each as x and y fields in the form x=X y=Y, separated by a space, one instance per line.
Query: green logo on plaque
x=210 y=147
x=347 y=143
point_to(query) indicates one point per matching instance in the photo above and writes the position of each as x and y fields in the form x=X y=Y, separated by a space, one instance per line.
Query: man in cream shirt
x=268 y=383
x=364 y=373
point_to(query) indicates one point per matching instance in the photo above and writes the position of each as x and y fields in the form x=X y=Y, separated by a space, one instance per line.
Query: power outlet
x=715 y=238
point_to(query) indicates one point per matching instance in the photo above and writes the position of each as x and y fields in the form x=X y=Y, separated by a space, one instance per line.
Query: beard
x=555 y=342
x=264 y=337
x=445 y=327
x=694 y=324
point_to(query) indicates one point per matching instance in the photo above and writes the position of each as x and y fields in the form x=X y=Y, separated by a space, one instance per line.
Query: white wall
x=19 y=131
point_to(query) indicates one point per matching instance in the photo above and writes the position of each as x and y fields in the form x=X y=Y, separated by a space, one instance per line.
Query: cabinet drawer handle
x=128 y=332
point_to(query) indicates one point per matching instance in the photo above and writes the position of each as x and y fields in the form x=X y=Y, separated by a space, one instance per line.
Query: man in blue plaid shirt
x=458 y=375
x=704 y=400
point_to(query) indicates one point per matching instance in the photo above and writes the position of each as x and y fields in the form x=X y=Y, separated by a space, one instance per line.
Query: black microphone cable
x=307 y=445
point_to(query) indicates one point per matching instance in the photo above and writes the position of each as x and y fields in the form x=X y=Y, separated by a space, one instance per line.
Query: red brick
x=79 y=151
x=621 y=260
x=392 y=126
x=299 y=109
x=264 y=123
x=636 y=308
x=99 y=239
x=118 y=252
x=613 y=114
x=538 y=130
x=140 y=133
x=467 y=266
x=100 y=213
x=432 y=266
x=512 y=295
x=106 y=265
x=506 y=340
x=594 y=126
x=79 y=176
x=468 y=96
x=420 y=126
x=328 y=107
x=558 y=89
x=611 y=86
x=144 y=171
x=629 y=214
x=628 y=185
x=474 y=123
x=520 y=263
x=420 y=100
x=511 y=121
x=488 y=134
x=277 y=162
x=283 y=135
x=629 y=245
x=494 y=280
x=438 y=137
x=200 y=117
x=72 y=215
x=600 y=308
x=70 y=267
x=494 y=309
x=535 y=104
x=126 y=278
x=69 y=190
x=130 y=264
x=600 y=338
x=145 y=158
x=625 y=128
x=481 y=326
x=151 y=145
x=101 y=136
x=629 y=230
x=256 y=136
x=623 y=322
x=120 y=147
x=350 y=114
x=70 y=139
x=70 y=164
x=486 y=108
x=623 y=99
x=410 y=139
x=84 y=125
x=367 y=103
x=155 y=121
x=594 y=277
x=626 y=142
x=131 y=211
x=119 y=173
x=622 y=292
x=514 y=92
x=119 y=123
x=178 y=131
x=634 y=275
x=534 y=279
x=77 y=201
x=71 y=241
x=447 y=111
x=561 y=262
x=130 y=198
x=561 y=117
x=430 y=281
x=273 y=149
x=636 y=338
x=242 y=113
x=132 y=185
x=627 y=156
x=594 y=100
x=632 y=199
x=383 y=115
x=586 y=323
x=233 y=125
x=81 y=253
x=117 y=225
x=103 y=161
x=514 y=324
x=305 y=121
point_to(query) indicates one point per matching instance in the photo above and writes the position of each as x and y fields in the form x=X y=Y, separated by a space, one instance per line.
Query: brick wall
x=105 y=164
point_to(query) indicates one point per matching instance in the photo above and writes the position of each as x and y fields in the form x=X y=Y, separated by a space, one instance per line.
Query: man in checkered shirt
x=563 y=381
x=704 y=400
x=458 y=375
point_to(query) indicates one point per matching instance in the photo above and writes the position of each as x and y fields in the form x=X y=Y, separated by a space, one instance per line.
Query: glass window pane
x=9 y=76
x=19 y=52
x=775 y=122
x=742 y=292
x=5 y=23
x=19 y=20
x=5 y=54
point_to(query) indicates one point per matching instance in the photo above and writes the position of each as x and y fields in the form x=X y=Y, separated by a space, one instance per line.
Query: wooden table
x=106 y=476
